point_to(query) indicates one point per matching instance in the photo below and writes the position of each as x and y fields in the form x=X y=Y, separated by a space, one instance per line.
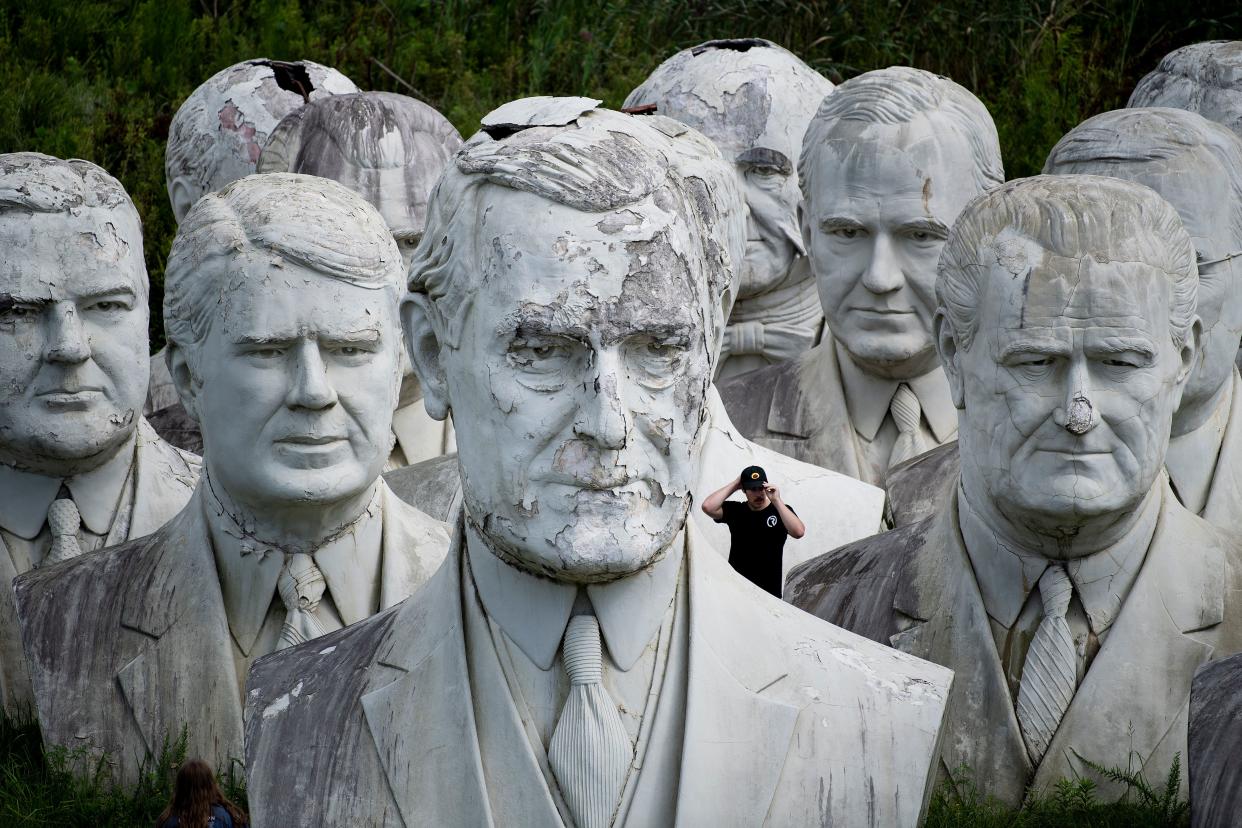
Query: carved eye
x=18 y=313
x=846 y=232
x=108 y=306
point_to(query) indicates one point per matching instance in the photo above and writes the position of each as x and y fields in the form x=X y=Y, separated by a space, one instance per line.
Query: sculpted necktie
x=1050 y=672
x=63 y=521
x=906 y=413
x=590 y=752
x=301 y=588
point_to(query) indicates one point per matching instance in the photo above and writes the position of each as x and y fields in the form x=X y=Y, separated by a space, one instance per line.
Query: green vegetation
x=101 y=79
x=66 y=790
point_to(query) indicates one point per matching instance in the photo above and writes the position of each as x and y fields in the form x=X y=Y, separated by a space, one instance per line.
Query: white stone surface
x=1205 y=78
x=218 y=132
x=281 y=301
x=754 y=100
x=597 y=390
x=73 y=375
x=1196 y=166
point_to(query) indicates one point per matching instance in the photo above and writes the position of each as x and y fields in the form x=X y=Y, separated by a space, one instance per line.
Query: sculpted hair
x=599 y=162
x=899 y=95
x=1072 y=216
x=1187 y=77
x=31 y=182
x=372 y=130
x=1137 y=136
x=312 y=221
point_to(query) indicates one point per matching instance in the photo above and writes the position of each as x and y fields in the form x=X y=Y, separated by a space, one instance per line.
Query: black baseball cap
x=754 y=477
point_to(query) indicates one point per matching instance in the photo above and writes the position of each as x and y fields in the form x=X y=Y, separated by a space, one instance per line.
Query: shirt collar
x=1102 y=580
x=868 y=397
x=533 y=611
x=249 y=569
x=96 y=493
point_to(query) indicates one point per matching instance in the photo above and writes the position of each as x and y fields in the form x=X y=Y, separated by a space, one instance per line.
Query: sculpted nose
x=883 y=274
x=1077 y=413
x=601 y=415
x=310 y=386
x=66 y=339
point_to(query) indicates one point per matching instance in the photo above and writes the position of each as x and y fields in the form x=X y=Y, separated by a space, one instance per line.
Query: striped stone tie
x=590 y=752
x=1050 y=673
x=301 y=587
x=907 y=413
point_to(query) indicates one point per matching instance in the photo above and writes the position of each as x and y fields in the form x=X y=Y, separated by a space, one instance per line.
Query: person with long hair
x=198 y=802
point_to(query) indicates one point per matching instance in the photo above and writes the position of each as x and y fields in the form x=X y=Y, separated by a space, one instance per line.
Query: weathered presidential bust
x=1205 y=78
x=754 y=100
x=887 y=164
x=79 y=467
x=217 y=135
x=1064 y=583
x=280 y=306
x=1196 y=165
x=581 y=659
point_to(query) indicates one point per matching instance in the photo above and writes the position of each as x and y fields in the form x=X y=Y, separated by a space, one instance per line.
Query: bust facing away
x=754 y=100
x=79 y=467
x=1066 y=325
x=887 y=163
x=1204 y=78
x=565 y=303
x=281 y=310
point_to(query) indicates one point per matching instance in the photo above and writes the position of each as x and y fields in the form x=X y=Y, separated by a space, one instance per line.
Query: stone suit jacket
x=835 y=508
x=922 y=485
x=164 y=479
x=130 y=645
x=914 y=587
x=789 y=721
x=1216 y=745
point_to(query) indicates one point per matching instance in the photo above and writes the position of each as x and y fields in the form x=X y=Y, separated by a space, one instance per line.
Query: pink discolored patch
x=230 y=120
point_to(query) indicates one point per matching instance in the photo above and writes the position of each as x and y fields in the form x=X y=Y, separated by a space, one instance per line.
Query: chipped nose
x=1080 y=417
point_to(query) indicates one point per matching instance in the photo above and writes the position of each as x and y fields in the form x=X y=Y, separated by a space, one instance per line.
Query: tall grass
x=100 y=79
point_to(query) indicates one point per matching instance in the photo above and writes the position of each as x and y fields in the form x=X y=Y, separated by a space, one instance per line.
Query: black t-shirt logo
x=771 y=521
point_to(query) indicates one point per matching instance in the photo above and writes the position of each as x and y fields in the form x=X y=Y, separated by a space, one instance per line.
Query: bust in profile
x=754 y=100
x=1066 y=586
x=887 y=163
x=565 y=303
x=280 y=306
x=79 y=466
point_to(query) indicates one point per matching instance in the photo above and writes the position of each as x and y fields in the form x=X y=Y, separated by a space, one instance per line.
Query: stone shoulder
x=748 y=396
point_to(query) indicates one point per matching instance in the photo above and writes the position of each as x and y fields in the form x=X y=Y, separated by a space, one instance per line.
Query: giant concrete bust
x=754 y=100
x=564 y=304
x=1205 y=78
x=79 y=467
x=1196 y=165
x=887 y=163
x=280 y=307
x=1064 y=583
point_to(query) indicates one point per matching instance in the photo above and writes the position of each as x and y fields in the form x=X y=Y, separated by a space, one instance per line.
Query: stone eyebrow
x=525 y=324
x=1121 y=345
x=830 y=223
x=928 y=225
x=1047 y=347
x=8 y=301
x=764 y=157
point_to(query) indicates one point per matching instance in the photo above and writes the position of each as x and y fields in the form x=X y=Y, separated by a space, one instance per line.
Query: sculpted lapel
x=414 y=547
x=808 y=404
x=173 y=598
x=425 y=697
x=1164 y=632
x=951 y=628
x=1225 y=494
x=726 y=694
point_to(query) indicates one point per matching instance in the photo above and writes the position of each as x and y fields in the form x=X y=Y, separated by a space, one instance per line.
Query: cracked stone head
x=887 y=164
x=1205 y=78
x=754 y=100
x=73 y=314
x=218 y=132
x=1196 y=166
x=280 y=304
x=1067 y=329
x=388 y=148
x=565 y=304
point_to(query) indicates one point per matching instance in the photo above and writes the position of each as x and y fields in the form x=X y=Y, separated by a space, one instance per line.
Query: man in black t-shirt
x=757 y=527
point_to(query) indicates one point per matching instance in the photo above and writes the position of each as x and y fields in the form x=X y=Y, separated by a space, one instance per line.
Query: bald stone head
x=754 y=100
x=218 y=132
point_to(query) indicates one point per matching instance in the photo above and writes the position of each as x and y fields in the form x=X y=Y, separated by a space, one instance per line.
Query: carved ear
x=1189 y=356
x=423 y=347
x=183 y=378
x=804 y=224
x=949 y=352
x=181 y=194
